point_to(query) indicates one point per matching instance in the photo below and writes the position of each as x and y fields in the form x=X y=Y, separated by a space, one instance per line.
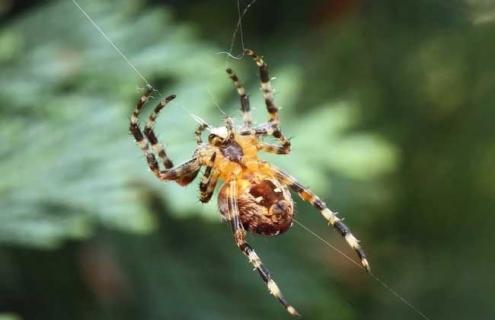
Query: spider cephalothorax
x=255 y=195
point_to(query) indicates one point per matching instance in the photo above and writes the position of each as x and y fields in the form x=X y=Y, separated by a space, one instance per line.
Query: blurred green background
x=390 y=106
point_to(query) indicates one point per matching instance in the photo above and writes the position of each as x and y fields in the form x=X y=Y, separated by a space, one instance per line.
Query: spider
x=255 y=195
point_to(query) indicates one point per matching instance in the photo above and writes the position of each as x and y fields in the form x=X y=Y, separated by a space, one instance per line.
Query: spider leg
x=269 y=129
x=266 y=86
x=245 y=108
x=331 y=217
x=199 y=130
x=229 y=124
x=273 y=125
x=265 y=129
x=285 y=143
x=150 y=135
x=209 y=181
x=273 y=148
x=138 y=135
x=248 y=251
x=182 y=174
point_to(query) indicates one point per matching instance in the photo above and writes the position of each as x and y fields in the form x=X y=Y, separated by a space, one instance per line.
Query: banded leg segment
x=272 y=127
x=138 y=135
x=276 y=149
x=182 y=174
x=211 y=184
x=209 y=181
x=149 y=133
x=284 y=142
x=199 y=131
x=266 y=86
x=229 y=124
x=248 y=251
x=245 y=107
x=269 y=129
x=274 y=290
x=331 y=217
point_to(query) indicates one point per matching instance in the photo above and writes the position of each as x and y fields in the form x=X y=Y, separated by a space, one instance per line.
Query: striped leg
x=267 y=91
x=248 y=251
x=182 y=174
x=245 y=108
x=272 y=148
x=148 y=132
x=269 y=129
x=138 y=135
x=209 y=181
x=262 y=130
x=199 y=131
x=331 y=217
x=266 y=86
x=229 y=124
x=277 y=134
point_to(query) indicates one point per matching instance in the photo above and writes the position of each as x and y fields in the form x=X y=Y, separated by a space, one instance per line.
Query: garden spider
x=255 y=196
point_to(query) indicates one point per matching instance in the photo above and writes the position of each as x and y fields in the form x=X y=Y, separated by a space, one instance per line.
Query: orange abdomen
x=265 y=206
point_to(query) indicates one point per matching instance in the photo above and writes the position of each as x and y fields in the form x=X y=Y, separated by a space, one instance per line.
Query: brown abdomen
x=265 y=206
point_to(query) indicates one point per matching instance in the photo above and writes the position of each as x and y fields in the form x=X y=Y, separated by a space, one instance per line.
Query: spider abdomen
x=265 y=205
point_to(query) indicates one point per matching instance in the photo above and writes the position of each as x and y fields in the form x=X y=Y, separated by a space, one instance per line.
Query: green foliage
x=69 y=163
x=9 y=316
